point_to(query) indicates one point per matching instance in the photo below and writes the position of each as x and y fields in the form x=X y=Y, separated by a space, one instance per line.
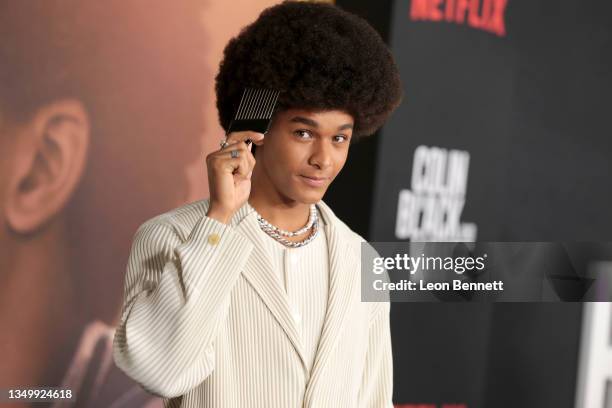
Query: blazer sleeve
x=377 y=384
x=176 y=296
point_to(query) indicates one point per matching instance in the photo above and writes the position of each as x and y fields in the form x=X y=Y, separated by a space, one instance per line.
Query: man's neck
x=283 y=214
x=278 y=210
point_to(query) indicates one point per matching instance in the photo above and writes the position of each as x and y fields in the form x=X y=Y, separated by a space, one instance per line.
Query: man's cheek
x=340 y=167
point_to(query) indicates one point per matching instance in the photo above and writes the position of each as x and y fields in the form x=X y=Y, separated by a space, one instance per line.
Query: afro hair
x=319 y=57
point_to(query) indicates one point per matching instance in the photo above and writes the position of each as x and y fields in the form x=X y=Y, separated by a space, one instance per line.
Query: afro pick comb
x=254 y=111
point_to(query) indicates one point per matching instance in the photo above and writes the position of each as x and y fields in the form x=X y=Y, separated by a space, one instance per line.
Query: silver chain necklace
x=279 y=234
x=311 y=219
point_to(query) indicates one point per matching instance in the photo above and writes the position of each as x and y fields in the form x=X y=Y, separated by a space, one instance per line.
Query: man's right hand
x=229 y=179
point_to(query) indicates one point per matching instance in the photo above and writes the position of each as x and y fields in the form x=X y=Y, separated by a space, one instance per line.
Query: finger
x=259 y=141
x=237 y=165
x=242 y=170
x=224 y=161
x=252 y=160
x=244 y=135
x=240 y=165
x=231 y=155
x=234 y=145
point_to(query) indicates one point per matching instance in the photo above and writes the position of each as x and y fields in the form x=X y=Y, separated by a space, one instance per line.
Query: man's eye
x=342 y=138
x=302 y=134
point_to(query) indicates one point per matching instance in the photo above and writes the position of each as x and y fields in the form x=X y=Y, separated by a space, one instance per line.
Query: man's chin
x=311 y=198
x=306 y=196
x=306 y=199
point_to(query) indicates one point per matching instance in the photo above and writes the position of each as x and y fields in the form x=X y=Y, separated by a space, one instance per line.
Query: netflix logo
x=486 y=15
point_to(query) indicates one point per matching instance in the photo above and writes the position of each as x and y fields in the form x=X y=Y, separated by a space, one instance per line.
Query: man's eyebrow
x=306 y=121
x=310 y=122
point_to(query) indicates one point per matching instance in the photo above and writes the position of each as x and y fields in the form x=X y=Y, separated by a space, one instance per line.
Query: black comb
x=254 y=111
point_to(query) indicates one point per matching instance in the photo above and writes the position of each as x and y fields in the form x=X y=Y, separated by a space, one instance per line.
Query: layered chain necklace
x=279 y=234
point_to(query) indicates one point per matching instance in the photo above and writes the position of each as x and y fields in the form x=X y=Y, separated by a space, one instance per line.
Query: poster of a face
x=107 y=112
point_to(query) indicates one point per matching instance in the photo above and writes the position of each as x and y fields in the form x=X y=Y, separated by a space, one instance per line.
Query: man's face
x=304 y=151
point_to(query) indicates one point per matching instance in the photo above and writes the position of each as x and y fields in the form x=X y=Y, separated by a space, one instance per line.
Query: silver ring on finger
x=234 y=154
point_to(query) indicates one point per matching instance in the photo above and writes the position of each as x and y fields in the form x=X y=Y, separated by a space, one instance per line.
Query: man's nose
x=321 y=155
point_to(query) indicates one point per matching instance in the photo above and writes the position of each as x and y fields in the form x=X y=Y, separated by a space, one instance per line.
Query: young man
x=252 y=298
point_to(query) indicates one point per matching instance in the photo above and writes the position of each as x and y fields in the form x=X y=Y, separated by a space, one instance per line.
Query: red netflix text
x=487 y=15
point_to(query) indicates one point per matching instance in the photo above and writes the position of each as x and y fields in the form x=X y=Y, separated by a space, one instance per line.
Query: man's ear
x=50 y=156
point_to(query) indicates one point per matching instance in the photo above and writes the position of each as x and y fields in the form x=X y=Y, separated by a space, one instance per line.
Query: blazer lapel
x=343 y=291
x=343 y=287
x=260 y=274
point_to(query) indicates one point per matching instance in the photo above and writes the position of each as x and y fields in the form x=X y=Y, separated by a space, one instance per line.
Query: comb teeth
x=257 y=104
x=255 y=110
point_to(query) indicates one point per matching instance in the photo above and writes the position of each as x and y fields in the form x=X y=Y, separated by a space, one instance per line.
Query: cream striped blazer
x=205 y=322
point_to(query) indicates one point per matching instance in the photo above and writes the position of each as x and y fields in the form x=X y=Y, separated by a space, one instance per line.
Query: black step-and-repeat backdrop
x=504 y=135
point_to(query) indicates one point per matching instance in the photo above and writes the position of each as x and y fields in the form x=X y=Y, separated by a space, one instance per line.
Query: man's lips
x=314 y=180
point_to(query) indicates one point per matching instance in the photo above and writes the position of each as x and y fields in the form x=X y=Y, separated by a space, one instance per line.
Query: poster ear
x=49 y=161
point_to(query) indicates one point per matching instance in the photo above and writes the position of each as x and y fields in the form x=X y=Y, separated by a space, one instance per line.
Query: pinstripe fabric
x=303 y=274
x=207 y=323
